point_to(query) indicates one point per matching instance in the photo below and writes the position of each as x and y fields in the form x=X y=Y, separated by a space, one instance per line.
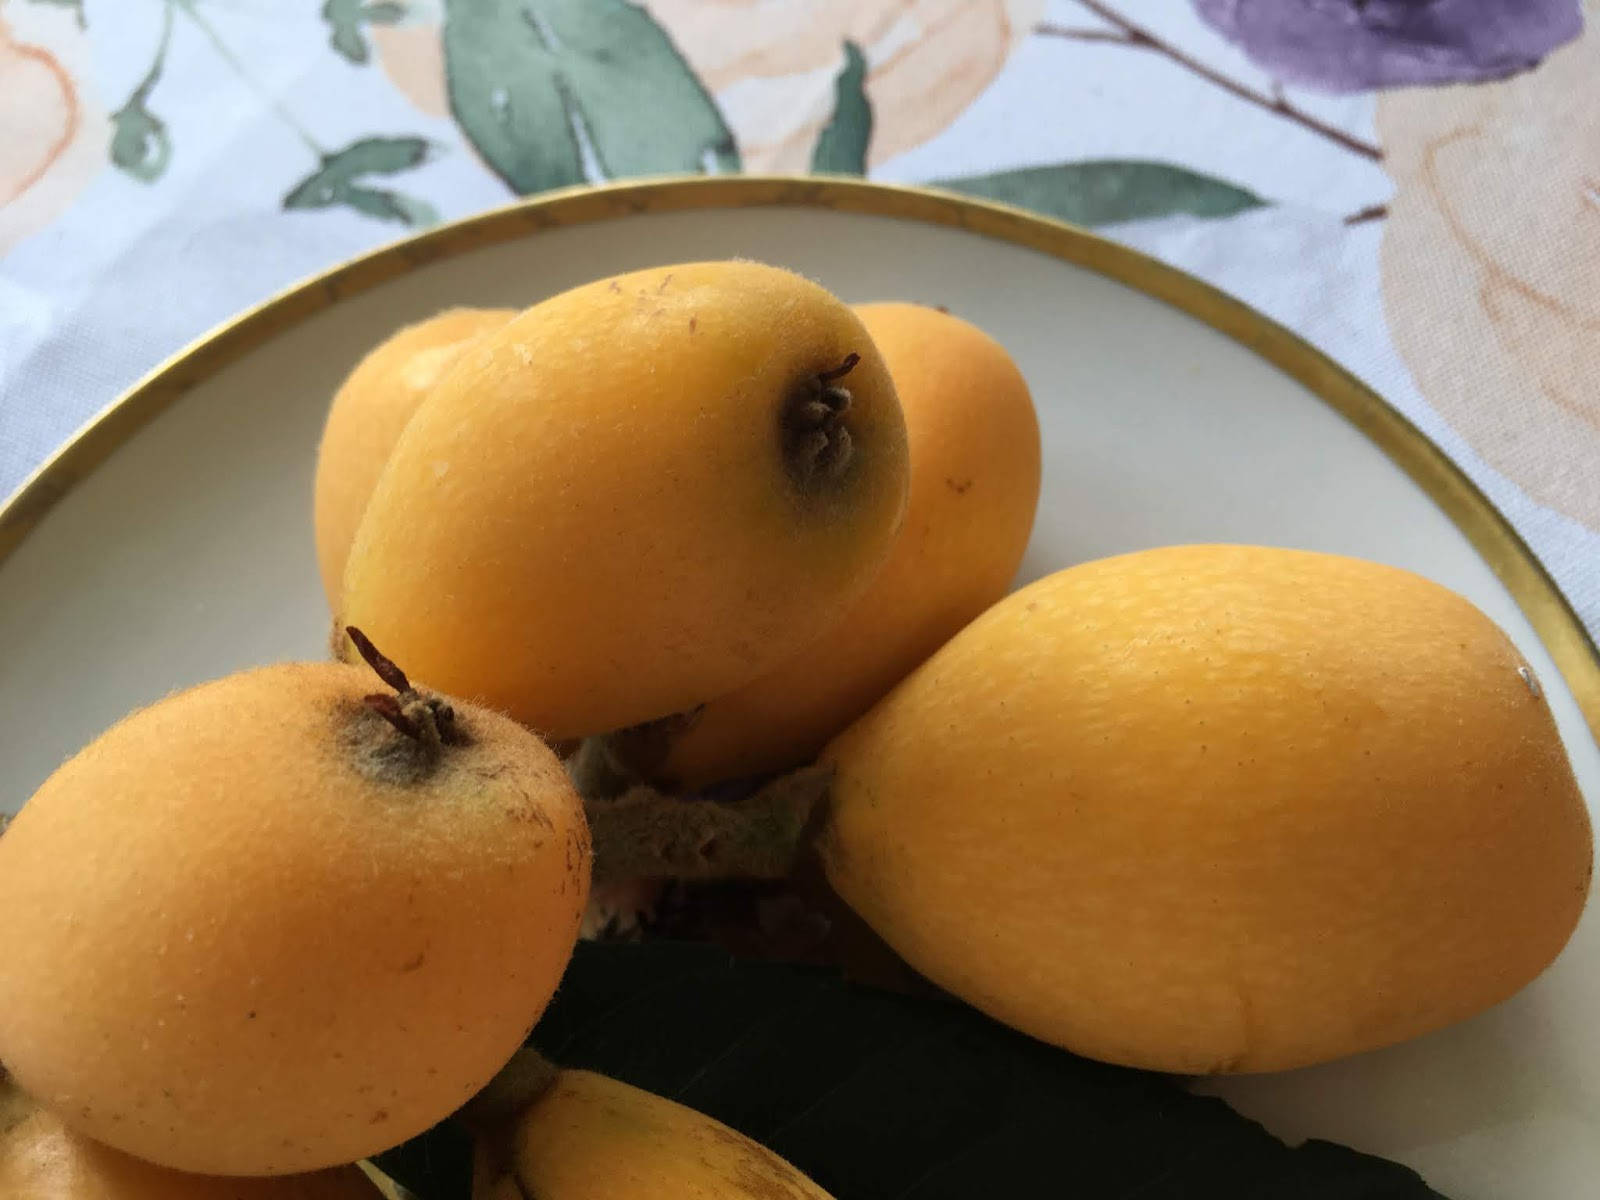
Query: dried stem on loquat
x=816 y=443
x=428 y=722
x=648 y=834
x=608 y=764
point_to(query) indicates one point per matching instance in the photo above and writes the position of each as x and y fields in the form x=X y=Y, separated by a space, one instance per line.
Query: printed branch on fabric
x=139 y=141
x=142 y=143
x=1356 y=45
x=1126 y=33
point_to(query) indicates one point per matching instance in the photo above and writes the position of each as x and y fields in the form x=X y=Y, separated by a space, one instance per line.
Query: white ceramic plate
x=171 y=542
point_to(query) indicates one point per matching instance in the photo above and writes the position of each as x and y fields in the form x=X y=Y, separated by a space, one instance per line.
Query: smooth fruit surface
x=974 y=443
x=40 y=1159
x=594 y=1138
x=1217 y=808
x=632 y=498
x=247 y=934
x=368 y=412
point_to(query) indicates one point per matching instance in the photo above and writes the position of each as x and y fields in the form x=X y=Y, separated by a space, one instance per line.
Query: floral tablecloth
x=1414 y=185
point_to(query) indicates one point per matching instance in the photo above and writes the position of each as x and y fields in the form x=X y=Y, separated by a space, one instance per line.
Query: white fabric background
x=131 y=271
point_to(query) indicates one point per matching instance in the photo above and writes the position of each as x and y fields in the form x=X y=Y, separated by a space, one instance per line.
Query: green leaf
x=346 y=18
x=559 y=92
x=336 y=181
x=1103 y=191
x=842 y=145
x=139 y=142
x=881 y=1096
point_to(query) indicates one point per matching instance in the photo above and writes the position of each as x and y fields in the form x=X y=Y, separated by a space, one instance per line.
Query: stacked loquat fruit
x=742 y=554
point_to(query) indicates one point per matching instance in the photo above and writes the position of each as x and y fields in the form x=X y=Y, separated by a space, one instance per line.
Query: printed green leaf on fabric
x=1104 y=191
x=338 y=180
x=559 y=92
x=140 y=144
x=842 y=145
x=346 y=20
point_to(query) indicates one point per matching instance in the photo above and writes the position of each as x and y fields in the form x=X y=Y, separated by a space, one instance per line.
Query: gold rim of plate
x=1535 y=592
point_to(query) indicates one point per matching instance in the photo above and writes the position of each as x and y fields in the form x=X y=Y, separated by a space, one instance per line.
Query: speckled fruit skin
x=974 y=441
x=594 y=1138
x=40 y=1159
x=1217 y=808
x=590 y=523
x=229 y=950
x=368 y=412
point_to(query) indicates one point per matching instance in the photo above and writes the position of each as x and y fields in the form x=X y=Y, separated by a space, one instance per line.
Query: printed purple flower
x=1356 y=45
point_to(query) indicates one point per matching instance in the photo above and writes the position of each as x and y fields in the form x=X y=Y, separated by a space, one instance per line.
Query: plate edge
x=1460 y=499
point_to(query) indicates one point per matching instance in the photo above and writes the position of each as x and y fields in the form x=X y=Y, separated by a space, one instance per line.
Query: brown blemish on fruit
x=414 y=962
x=958 y=486
x=759 y=1172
